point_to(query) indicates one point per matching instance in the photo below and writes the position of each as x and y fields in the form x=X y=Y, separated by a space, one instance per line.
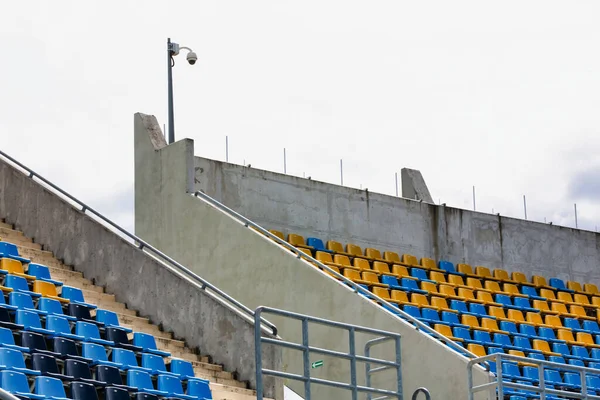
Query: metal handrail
x=357 y=288
x=4 y=395
x=143 y=245
x=421 y=390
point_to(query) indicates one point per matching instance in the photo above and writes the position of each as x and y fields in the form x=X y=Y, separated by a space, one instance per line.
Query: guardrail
x=4 y=395
x=143 y=245
x=300 y=254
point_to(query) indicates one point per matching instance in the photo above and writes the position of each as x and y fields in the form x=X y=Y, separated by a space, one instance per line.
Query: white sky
x=504 y=95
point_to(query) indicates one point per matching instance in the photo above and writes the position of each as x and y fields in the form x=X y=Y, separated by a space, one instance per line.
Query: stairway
x=223 y=383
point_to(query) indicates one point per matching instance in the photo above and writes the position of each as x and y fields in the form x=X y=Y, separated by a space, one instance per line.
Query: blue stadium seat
x=528 y=331
x=450 y=318
x=115 y=393
x=127 y=360
x=459 y=306
x=430 y=316
x=91 y=333
x=463 y=333
x=448 y=267
x=593 y=382
x=97 y=354
x=155 y=364
x=112 y=377
x=47 y=366
x=109 y=318
x=75 y=295
x=479 y=310
x=10 y=250
x=66 y=348
x=148 y=344
x=83 y=391
x=513 y=372
x=524 y=304
x=317 y=244
x=60 y=327
x=581 y=353
x=53 y=307
x=557 y=359
x=537 y=356
x=553 y=377
x=483 y=338
x=575 y=362
x=591 y=327
x=594 y=364
x=420 y=274
x=23 y=301
x=19 y=284
x=13 y=360
x=559 y=284
x=573 y=324
x=523 y=344
x=7 y=340
x=81 y=372
x=51 y=388
x=36 y=343
x=6 y=322
x=143 y=381
x=3 y=304
x=81 y=313
x=119 y=337
x=31 y=322
x=494 y=350
x=562 y=349
x=531 y=291
x=42 y=273
x=199 y=388
x=16 y=383
x=410 y=285
x=413 y=311
x=509 y=327
x=531 y=374
x=184 y=369
x=503 y=340
x=392 y=282
x=172 y=385
x=548 y=334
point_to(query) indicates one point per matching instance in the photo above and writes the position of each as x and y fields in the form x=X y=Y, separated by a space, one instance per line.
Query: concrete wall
x=258 y=272
x=312 y=208
x=134 y=277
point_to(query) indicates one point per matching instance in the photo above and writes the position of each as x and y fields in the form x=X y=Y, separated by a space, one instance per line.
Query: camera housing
x=192 y=58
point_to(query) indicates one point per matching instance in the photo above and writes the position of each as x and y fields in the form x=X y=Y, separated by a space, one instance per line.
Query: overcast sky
x=504 y=96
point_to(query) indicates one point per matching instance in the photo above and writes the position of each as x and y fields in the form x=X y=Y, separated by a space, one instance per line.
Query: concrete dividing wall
x=137 y=279
x=258 y=272
x=312 y=208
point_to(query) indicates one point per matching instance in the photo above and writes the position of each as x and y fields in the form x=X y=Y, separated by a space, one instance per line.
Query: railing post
x=470 y=380
x=540 y=369
x=499 y=374
x=352 y=348
x=368 y=370
x=306 y=358
x=584 y=388
x=258 y=354
x=399 y=367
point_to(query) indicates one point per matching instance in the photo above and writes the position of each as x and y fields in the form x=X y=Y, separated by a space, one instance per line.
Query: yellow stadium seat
x=587 y=340
x=484 y=272
x=561 y=309
x=502 y=275
x=542 y=345
x=553 y=321
x=579 y=311
x=391 y=257
x=493 y=287
x=333 y=267
x=428 y=263
x=446 y=331
x=515 y=316
x=475 y=284
x=439 y=277
x=48 y=289
x=374 y=254
x=279 y=234
x=575 y=286
x=467 y=295
x=14 y=267
x=449 y=292
x=361 y=264
x=498 y=313
x=582 y=300
x=324 y=257
x=354 y=276
x=566 y=335
x=342 y=261
x=466 y=269
x=512 y=290
x=519 y=353
x=476 y=349
x=549 y=295
x=565 y=298
x=381 y=268
x=385 y=295
x=430 y=288
x=400 y=297
x=486 y=298
x=354 y=250
x=472 y=322
x=456 y=280
x=410 y=260
x=338 y=261
x=441 y=304
x=402 y=272
x=543 y=306
x=595 y=301
x=540 y=281
x=298 y=241
x=521 y=279
x=535 y=319
x=590 y=288
x=336 y=247
x=420 y=300
x=372 y=279
x=491 y=325
x=305 y=251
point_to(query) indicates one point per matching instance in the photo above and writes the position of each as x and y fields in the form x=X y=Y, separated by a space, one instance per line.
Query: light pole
x=172 y=51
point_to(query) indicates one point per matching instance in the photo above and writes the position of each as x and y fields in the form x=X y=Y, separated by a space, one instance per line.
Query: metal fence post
x=399 y=367
x=352 y=349
x=306 y=359
x=258 y=355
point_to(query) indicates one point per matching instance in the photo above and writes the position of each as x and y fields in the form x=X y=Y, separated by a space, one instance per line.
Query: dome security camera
x=192 y=58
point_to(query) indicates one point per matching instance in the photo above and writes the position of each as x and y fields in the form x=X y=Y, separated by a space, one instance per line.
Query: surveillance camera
x=192 y=58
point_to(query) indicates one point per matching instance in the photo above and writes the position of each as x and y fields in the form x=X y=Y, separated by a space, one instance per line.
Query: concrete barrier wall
x=135 y=278
x=312 y=208
x=257 y=271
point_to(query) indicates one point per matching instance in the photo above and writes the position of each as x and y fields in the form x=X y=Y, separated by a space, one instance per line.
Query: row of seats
x=54 y=344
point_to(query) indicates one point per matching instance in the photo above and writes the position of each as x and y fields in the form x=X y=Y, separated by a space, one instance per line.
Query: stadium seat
x=581 y=352
x=484 y=273
x=80 y=371
x=199 y=388
x=279 y=234
x=83 y=391
x=553 y=377
x=381 y=268
x=491 y=325
x=457 y=280
x=47 y=365
x=586 y=340
x=91 y=333
x=19 y=284
x=399 y=297
x=7 y=340
x=592 y=327
x=565 y=297
x=536 y=319
x=111 y=376
x=476 y=349
x=361 y=264
x=590 y=288
x=36 y=342
x=478 y=310
x=317 y=244
x=127 y=360
x=6 y=322
x=540 y=282
x=50 y=388
x=446 y=330
x=561 y=309
x=502 y=340
x=580 y=313
x=419 y=273
x=547 y=334
x=544 y=347
x=97 y=354
x=575 y=287
x=13 y=360
x=155 y=364
x=513 y=291
x=502 y=275
x=298 y=241
x=401 y=271
x=476 y=284
x=10 y=250
x=75 y=295
x=524 y=305
x=523 y=344
x=53 y=307
x=354 y=250
x=553 y=321
x=521 y=278
x=374 y=254
x=66 y=348
x=81 y=313
x=184 y=369
x=566 y=335
x=23 y=301
x=429 y=264
x=172 y=385
x=583 y=300
x=515 y=316
x=543 y=306
x=143 y=381
x=109 y=319
x=448 y=292
x=60 y=327
x=41 y=273
x=48 y=289
x=410 y=260
x=11 y=266
x=466 y=270
x=372 y=279
x=498 y=313
x=487 y=299
x=472 y=322
x=440 y=304
x=559 y=284
x=17 y=384
x=148 y=344
x=119 y=337
x=532 y=292
x=31 y=322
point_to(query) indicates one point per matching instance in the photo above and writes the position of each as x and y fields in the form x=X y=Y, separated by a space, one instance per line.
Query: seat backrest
x=51 y=306
x=279 y=234
x=575 y=286
x=125 y=357
x=334 y=246
x=501 y=274
x=57 y=324
x=474 y=283
x=461 y=333
x=169 y=384
x=502 y=338
x=93 y=351
x=370 y=276
x=581 y=299
x=482 y=336
x=456 y=280
x=389 y=280
x=584 y=337
x=527 y=329
x=590 y=288
x=511 y=369
x=296 y=240
x=522 y=302
x=6 y=337
x=154 y=362
x=409 y=283
x=361 y=263
x=87 y=330
x=409 y=259
x=14 y=382
x=399 y=295
x=11 y=358
x=108 y=318
x=44 y=288
x=476 y=349
x=482 y=271
x=560 y=348
x=508 y=326
x=523 y=342
x=489 y=323
x=38 y=270
x=446 y=266
x=541 y=305
x=538 y=280
x=529 y=290
x=199 y=388
x=20 y=300
x=372 y=253
x=443 y=329
x=534 y=318
x=109 y=374
x=557 y=283
x=503 y=299
x=182 y=367
x=492 y=285
x=354 y=249
x=516 y=315
x=541 y=345
x=565 y=334
x=519 y=277
x=49 y=387
x=459 y=305
x=77 y=369
x=33 y=340
x=548 y=294
x=381 y=267
x=497 y=312
x=9 y=248
x=323 y=257
x=428 y=263
x=564 y=296
x=116 y=335
x=547 y=333
x=114 y=393
x=419 y=273
x=413 y=311
x=16 y=282
x=72 y=293
x=79 y=311
x=591 y=326
x=28 y=319
x=316 y=243
x=391 y=257
x=83 y=391
x=65 y=347
x=139 y=379
x=430 y=313
x=579 y=351
x=44 y=363
x=552 y=376
x=465 y=269
x=450 y=317
x=11 y=265
x=553 y=320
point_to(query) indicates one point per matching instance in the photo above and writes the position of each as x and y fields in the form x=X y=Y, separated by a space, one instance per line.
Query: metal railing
x=371 y=371
x=498 y=386
x=306 y=349
x=4 y=395
x=143 y=245
x=415 y=395
x=357 y=288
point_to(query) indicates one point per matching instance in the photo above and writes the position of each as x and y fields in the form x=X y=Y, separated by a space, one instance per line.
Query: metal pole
x=226 y=148
x=258 y=355
x=170 y=93
x=474 y=209
x=352 y=348
x=525 y=206
x=284 y=162
x=576 y=215
x=399 y=368
x=306 y=359
x=396 y=184
x=341 y=172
